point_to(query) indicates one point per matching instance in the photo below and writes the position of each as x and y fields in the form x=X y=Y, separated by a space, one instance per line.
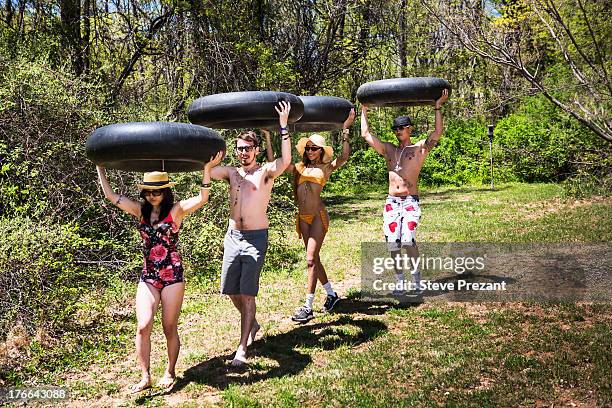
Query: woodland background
x=536 y=69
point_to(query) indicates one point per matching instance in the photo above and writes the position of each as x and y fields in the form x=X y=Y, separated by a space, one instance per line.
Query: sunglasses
x=245 y=148
x=400 y=127
x=312 y=148
x=154 y=193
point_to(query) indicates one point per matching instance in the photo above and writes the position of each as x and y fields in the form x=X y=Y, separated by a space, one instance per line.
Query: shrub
x=40 y=274
x=540 y=143
x=364 y=169
x=46 y=116
x=461 y=156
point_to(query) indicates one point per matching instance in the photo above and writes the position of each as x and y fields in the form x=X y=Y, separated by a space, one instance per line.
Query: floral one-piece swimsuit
x=162 y=262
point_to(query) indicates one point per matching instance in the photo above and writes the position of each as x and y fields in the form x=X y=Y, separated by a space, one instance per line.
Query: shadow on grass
x=355 y=304
x=286 y=349
x=349 y=198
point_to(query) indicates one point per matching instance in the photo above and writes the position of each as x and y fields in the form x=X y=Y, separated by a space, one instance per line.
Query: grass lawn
x=366 y=354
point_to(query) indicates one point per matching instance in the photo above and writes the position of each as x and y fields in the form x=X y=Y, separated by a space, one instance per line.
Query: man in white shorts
x=401 y=213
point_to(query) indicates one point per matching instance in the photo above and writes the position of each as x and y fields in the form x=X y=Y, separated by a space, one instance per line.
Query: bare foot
x=254 y=331
x=166 y=382
x=239 y=358
x=144 y=384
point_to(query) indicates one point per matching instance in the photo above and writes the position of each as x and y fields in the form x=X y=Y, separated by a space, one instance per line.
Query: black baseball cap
x=401 y=121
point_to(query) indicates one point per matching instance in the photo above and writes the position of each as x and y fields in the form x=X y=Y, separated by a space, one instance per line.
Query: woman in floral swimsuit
x=161 y=279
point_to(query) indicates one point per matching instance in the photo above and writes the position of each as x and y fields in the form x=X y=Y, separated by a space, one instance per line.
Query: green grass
x=509 y=213
x=449 y=358
x=450 y=354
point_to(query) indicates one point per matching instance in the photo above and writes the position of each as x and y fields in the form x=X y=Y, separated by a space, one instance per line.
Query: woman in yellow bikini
x=312 y=222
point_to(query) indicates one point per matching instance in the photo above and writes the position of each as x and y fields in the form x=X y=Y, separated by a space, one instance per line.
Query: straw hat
x=317 y=140
x=155 y=180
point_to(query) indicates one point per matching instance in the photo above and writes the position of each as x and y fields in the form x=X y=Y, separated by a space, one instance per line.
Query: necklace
x=248 y=172
x=397 y=161
x=242 y=180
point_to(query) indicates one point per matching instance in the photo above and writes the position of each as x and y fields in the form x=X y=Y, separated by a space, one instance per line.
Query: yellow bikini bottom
x=309 y=218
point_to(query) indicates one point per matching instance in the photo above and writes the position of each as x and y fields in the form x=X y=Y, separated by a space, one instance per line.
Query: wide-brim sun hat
x=155 y=180
x=317 y=140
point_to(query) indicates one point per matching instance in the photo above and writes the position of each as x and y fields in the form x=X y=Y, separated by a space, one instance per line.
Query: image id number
x=47 y=393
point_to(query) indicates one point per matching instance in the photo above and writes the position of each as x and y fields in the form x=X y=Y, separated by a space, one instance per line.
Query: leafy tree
x=558 y=46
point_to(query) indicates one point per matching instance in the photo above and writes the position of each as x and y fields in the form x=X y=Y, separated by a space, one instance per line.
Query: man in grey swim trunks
x=246 y=241
x=401 y=212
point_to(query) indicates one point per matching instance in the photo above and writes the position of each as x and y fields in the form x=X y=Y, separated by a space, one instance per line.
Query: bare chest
x=250 y=184
x=404 y=160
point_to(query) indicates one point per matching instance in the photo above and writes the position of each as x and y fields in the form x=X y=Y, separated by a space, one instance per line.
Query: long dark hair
x=307 y=161
x=166 y=205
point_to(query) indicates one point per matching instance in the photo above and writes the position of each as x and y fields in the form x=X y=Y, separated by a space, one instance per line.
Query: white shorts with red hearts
x=401 y=217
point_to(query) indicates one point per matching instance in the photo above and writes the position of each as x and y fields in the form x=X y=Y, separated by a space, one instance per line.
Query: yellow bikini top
x=316 y=175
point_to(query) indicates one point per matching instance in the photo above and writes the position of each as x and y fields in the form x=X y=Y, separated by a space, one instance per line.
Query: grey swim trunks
x=243 y=258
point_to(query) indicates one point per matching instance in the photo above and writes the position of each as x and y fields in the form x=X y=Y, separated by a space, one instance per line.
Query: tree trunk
x=20 y=21
x=70 y=14
x=8 y=10
x=86 y=40
x=402 y=40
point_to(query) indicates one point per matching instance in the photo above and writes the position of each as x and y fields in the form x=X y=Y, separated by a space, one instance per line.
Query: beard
x=247 y=161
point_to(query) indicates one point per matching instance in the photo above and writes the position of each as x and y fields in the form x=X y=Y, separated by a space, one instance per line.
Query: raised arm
x=121 y=201
x=190 y=205
x=269 y=150
x=365 y=133
x=346 y=148
x=279 y=165
x=434 y=137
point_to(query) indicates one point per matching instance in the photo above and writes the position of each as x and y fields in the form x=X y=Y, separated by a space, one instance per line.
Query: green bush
x=534 y=144
x=364 y=169
x=46 y=116
x=41 y=275
x=597 y=181
x=461 y=156
x=540 y=143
